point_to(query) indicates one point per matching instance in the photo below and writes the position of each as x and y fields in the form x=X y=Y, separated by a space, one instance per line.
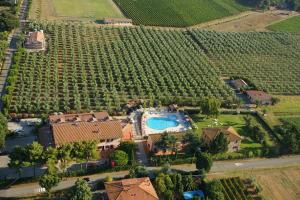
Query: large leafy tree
x=167 y=142
x=120 y=157
x=90 y=151
x=130 y=148
x=193 y=143
x=64 y=156
x=8 y=21
x=219 y=144
x=164 y=186
x=210 y=107
x=17 y=159
x=214 y=190
x=81 y=191
x=34 y=152
x=204 y=162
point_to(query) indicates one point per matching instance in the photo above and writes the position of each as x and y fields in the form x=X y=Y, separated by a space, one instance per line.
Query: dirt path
x=248 y=21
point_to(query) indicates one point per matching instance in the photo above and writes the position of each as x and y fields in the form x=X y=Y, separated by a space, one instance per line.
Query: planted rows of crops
x=270 y=60
x=102 y=68
x=234 y=189
x=178 y=13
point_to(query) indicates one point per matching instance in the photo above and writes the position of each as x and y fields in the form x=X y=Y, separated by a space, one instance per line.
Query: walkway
x=141 y=155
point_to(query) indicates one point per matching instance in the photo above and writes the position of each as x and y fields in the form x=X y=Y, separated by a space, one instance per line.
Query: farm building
x=69 y=128
x=36 y=40
x=118 y=21
x=154 y=138
x=239 y=84
x=130 y=189
x=260 y=97
x=209 y=134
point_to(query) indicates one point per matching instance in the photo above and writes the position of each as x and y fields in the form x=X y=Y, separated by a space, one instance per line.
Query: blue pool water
x=161 y=123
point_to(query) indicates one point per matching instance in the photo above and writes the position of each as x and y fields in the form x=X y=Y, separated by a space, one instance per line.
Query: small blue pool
x=161 y=123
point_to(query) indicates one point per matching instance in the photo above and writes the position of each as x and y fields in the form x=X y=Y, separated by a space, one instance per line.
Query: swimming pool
x=161 y=123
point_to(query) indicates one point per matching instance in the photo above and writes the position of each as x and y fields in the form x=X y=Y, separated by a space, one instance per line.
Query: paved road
x=218 y=167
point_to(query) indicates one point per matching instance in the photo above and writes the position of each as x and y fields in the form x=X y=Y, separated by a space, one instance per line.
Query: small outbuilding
x=36 y=40
x=239 y=84
x=118 y=21
x=259 y=97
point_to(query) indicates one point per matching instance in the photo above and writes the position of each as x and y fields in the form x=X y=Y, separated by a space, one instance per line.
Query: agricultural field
x=236 y=188
x=78 y=10
x=288 y=107
x=177 y=13
x=276 y=184
x=265 y=59
x=88 y=68
x=288 y=25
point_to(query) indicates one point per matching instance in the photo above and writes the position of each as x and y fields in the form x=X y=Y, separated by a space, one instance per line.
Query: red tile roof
x=258 y=95
x=85 y=117
x=36 y=36
x=131 y=189
x=85 y=131
x=230 y=133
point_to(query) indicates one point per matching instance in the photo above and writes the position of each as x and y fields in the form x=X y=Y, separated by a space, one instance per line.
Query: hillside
x=289 y=25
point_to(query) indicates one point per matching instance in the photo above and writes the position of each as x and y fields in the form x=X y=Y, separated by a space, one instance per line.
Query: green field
x=86 y=68
x=178 y=13
x=289 y=25
x=73 y=9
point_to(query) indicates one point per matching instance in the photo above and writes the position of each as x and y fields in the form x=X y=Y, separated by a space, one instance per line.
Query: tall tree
x=219 y=144
x=81 y=191
x=120 y=157
x=64 y=156
x=210 y=107
x=3 y=129
x=17 y=159
x=214 y=190
x=193 y=143
x=90 y=151
x=204 y=162
x=130 y=148
x=167 y=142
x=189 y=184
x=34 y=153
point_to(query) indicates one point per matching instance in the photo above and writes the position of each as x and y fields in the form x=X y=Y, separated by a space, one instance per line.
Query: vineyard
x=235 y=189
x=269 y=60
x=87 y=68
x=178 y=13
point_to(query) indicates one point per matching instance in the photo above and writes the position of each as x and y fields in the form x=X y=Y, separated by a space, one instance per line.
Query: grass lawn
x=288 y=106
x=236 y=121
x=74 y=9
x=289 y=25
x=178 y=13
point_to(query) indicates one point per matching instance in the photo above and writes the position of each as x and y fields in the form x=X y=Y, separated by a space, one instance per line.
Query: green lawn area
x=289 y=25
x=292 y=120
x=288 y=106
x=92 y=9
x=178 y=13
x=236 y=121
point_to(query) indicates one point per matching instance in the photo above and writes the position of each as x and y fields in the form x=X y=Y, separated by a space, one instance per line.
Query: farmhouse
x=239 y=84
x=260 y=97
x=69 y=128
x=154 y=138
x=118 y=21
x=36 y=40
x=209 y=134
x=131 y=189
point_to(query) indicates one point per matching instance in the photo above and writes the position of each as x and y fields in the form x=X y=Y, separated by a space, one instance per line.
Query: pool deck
x=181 y=119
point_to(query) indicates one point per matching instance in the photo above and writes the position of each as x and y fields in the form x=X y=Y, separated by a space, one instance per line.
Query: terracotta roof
x=258 y=95
x=85 y=117
x=156 y=137
x=85 y=131
x=131 y=189
x=117 y=20
x=229 y=132
x=37 y=36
